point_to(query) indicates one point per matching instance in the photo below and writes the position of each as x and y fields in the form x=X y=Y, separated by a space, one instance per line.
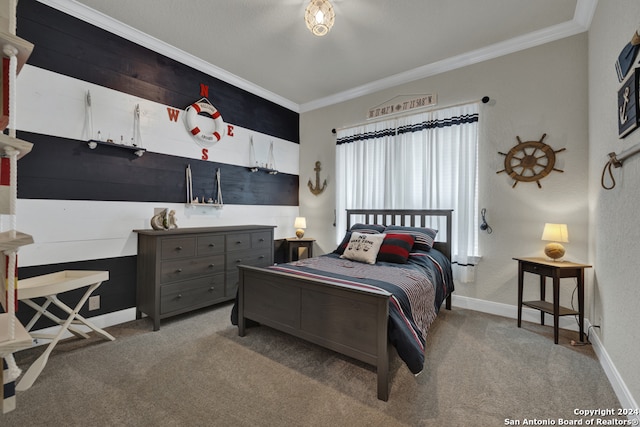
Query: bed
x=352 y=307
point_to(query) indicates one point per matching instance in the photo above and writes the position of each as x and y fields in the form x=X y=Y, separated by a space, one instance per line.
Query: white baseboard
x=511 y=311
x=567 y=322
x=620 y=388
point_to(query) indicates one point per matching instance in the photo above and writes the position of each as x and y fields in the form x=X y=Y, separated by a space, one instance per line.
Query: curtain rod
x=484 y=100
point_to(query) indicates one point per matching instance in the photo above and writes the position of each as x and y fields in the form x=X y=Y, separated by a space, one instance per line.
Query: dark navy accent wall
x=67 y=169
x=61 y=168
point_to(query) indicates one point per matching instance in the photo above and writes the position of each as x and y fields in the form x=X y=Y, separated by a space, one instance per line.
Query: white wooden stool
x=49 y=286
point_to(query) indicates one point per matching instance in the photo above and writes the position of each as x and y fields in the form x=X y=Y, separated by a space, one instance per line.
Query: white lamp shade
x=300 y=222
x=555 y=233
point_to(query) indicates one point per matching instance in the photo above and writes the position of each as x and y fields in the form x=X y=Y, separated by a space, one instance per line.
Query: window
x=424 y=161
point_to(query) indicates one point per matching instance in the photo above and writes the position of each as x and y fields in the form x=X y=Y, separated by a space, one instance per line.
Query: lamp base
x=299 y=233
x=555 y=251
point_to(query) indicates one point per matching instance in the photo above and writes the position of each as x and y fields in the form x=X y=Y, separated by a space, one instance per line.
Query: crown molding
x=579 y=24
x=100 y=20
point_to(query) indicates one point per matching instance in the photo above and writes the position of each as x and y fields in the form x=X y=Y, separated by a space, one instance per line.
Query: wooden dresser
x=185 y=269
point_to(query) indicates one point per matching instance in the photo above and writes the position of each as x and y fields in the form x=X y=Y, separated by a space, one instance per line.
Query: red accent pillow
x=396 y=248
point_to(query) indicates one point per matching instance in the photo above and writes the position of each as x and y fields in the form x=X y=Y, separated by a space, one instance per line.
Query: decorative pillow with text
x=363 y=247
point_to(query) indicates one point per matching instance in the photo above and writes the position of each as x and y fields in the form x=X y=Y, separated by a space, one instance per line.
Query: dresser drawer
x=210 y=244
x=171 y=271
x=238 y=241
x=259 y=258
x=262 y=240
x=197 y=292
x=178 y=248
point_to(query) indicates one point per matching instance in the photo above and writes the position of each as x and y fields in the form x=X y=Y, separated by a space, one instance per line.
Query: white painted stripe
x=66 y=231
x=54 y=104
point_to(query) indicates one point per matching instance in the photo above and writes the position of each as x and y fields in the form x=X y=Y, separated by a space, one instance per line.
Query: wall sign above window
x=401 y=104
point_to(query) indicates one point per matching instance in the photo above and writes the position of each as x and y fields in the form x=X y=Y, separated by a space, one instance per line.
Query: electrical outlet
x=94 y=302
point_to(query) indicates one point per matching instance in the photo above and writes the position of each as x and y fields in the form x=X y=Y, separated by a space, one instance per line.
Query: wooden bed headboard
x=432 y=218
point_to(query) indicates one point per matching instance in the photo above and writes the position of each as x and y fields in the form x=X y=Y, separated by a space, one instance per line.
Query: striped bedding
x=417 y=290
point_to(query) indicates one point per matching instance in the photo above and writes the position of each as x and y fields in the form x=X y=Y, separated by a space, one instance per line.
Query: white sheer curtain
x=424 y=161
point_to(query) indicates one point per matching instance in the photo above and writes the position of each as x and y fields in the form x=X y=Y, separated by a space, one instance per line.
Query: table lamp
x=300 y=224
x=555 y=233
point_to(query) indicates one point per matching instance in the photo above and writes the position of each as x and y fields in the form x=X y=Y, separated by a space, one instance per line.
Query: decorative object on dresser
x=556 y=270
x=300 y=224
x=181 y=270
x=334 y=303
x=164 y=219
x=555 y=234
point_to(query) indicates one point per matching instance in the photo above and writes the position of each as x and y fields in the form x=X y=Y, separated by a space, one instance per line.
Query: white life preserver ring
x=204 y=138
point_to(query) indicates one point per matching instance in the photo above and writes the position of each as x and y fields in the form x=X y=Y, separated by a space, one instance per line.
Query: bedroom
x=565 y=88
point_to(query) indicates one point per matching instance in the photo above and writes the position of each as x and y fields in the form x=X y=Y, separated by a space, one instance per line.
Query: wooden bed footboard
x=349 y=321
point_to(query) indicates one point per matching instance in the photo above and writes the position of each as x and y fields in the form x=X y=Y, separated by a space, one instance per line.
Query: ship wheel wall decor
x=530 y=161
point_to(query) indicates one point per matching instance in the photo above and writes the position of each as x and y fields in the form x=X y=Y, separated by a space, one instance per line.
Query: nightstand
x=556 y=270
x=294 y=245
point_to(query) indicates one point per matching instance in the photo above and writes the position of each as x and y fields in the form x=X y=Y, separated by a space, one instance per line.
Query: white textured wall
x=614 y=214
x=537 y=91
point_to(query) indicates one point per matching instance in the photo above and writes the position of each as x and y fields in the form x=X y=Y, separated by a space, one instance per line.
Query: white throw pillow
x=363 y=247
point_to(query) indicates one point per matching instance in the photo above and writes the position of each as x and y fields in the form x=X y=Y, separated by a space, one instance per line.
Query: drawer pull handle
x=179 y=296
x=261 y=256
x=211 y=289
x=179 y=270
x=178 y=248
x=239 y=242
x=211 y=265
x=261 y=240
x=239 y=260
x=211 y=245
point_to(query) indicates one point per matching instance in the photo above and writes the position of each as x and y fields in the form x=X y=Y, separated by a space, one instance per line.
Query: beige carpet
x=196 y=371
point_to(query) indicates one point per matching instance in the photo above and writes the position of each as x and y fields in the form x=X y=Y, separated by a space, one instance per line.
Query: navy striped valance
x=415 y=127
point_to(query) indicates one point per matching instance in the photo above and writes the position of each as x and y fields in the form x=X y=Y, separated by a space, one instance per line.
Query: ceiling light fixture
x=319 y=17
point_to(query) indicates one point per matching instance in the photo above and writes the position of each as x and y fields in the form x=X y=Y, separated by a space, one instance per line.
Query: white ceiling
x=264 y=45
